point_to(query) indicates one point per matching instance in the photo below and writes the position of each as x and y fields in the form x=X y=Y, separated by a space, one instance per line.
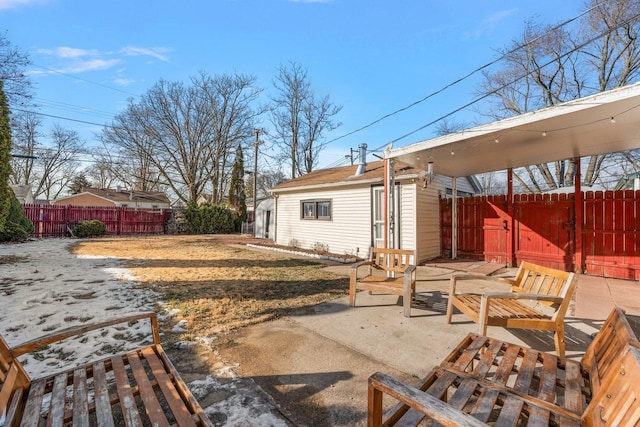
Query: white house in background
x=342 y=209
x=265 y=218
x=23 y=193
x=119 y=197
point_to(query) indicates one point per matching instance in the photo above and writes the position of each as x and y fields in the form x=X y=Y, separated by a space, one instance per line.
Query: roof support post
x=389 y=203
x=579 y=218
x=454 y=219
x=511 y=223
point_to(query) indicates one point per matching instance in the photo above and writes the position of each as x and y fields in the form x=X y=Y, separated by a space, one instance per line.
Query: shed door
x=378 y=217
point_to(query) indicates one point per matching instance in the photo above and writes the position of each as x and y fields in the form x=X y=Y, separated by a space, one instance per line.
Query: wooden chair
x=390 y=271
x=139 y=387
x=487 y=381
x=533 y=284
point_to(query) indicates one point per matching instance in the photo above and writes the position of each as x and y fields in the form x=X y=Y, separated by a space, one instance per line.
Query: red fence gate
x=541 y=229
x=56 y=221
x=544 y=228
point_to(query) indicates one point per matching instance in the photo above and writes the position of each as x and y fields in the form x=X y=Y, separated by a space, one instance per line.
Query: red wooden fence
x=611 y=228
x=56 y=221
x=543 y=231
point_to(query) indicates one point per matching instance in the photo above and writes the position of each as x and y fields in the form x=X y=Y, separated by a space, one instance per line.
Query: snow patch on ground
x=239 y=407
x=48 y=289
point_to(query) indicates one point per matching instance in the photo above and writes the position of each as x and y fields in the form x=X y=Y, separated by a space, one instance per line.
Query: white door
x=378 y=217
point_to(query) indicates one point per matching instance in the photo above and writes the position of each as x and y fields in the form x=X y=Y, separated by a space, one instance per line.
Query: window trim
x=314 y=214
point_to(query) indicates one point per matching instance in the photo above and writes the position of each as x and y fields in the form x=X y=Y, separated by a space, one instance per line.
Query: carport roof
x=603 y=123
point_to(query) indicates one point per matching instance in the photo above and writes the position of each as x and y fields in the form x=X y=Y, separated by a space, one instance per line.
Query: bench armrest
x=45 y=340
x=422 y=402
x=461 y=276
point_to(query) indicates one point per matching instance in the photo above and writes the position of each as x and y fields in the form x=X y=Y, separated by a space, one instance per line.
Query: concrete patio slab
x=315 y=364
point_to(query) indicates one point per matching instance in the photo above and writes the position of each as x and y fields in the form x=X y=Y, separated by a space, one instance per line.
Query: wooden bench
x=487 y=381
x=139 y=387
x=516 y=308
x=387 y=271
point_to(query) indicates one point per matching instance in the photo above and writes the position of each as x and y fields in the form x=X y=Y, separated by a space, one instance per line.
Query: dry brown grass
x=219 y=286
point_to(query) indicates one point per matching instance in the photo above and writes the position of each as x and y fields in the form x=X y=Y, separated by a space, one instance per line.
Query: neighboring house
x=342 y=209
x=116 y=198
x=23 y=193
x=629 y=182
x=265 y=218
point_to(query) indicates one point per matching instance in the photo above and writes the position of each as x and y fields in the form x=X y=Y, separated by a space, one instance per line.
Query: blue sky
x=371 y=56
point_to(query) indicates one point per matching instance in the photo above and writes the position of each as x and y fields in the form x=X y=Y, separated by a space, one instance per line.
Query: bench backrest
x=536 y=279
x=14 y=382
x=601 y=355
x=397 y=260
x=617 y=402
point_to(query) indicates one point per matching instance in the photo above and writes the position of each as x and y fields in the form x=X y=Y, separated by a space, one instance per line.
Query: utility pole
x=255 y=180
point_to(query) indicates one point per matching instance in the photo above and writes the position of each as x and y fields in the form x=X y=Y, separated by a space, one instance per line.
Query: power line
x=486 y=95
x=461 y=79
x=84 y=80
x=63 y=118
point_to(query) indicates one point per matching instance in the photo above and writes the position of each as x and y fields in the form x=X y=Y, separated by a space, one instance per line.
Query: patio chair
x=538 y=298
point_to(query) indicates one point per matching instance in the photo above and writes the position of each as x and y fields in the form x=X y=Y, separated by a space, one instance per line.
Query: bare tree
x=101 y=172
x=233 y=99
x=265 y=181
x=25 y=143
x=57 y=164
x=550 y=65
x=186 y=133
x=300 y=118
x=13 y=62
x=126 y=156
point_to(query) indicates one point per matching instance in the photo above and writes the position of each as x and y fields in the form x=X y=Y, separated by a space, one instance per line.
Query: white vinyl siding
x=428 y=220
x=407 y=217
x=348 y=231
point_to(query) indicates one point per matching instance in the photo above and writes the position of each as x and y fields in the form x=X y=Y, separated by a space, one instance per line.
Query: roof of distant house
x=374 y=171
x=126 y=196
x=22 y=190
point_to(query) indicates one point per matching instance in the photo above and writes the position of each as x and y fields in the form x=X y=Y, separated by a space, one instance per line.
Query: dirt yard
x=203 y=288
x=214 y=286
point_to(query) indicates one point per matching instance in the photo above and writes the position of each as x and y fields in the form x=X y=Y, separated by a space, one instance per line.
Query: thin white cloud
x=123 y=82
x=14 y=4
x=89 y=65
x=68 y=52
x=498 y=16
x=488 y=24
x=76 y=60
x=154 y=52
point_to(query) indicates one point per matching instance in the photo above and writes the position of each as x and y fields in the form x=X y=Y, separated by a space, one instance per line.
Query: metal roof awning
x=603 y=123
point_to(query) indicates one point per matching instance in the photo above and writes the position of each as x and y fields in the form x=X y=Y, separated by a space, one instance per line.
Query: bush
x=210 y=219
x=13 y=232
x=91 y=228
x=17 y=227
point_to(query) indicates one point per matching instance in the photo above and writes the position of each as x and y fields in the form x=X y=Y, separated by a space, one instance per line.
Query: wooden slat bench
x=516 y=308
x=391 y=271
x=136 y=388
x=487 y=381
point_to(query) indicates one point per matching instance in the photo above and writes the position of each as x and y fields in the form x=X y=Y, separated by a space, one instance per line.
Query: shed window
x=316 y=209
